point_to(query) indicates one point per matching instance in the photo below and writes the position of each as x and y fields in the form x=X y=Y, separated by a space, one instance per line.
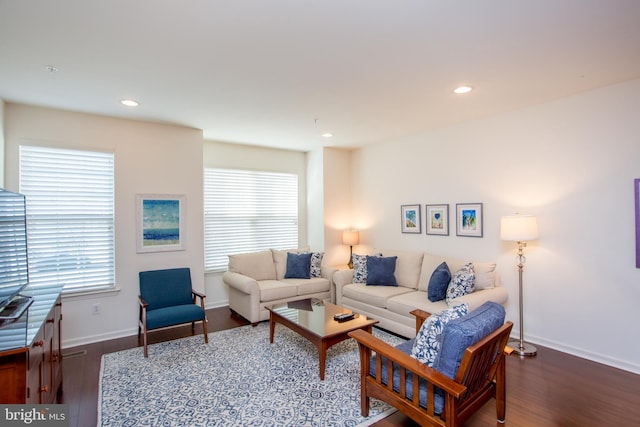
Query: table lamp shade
x=350 y=237
x=518 y=228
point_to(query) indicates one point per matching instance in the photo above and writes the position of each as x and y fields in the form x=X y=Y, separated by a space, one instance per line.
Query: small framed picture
x=160 y=223
x=411 y=221
x=469 y=219
x=437 y=219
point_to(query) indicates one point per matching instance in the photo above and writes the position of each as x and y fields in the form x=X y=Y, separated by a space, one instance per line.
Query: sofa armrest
x=341 y=278
x=241 y=282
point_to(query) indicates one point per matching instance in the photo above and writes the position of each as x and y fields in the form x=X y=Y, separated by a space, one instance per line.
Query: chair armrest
x=243 y=283
x=420 y=316
x=142 y=302
x=200 y=295
x=368 y=341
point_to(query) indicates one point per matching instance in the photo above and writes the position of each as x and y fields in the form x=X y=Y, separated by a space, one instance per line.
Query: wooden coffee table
x=313 y=319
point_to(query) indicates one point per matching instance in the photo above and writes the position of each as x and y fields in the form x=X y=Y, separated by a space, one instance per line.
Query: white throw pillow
x=462 y=283
x=428 y=340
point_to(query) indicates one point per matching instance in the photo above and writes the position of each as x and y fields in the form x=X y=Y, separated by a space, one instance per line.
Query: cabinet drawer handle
x=51 y=320
x=38 y=343
x=44 y=388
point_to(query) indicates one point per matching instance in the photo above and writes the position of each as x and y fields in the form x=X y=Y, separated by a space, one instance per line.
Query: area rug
x=238 y=379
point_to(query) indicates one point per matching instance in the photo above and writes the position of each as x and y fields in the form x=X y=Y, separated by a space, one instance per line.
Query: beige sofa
x=257 y=280
x=391 y=305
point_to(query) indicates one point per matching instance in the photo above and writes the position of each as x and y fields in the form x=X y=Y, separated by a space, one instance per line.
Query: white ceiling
x=279 y=73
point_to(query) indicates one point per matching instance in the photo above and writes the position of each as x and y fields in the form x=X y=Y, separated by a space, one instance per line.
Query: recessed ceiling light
x=327 y=135
x=51 y=69
x=463 y=89
x=130 y=102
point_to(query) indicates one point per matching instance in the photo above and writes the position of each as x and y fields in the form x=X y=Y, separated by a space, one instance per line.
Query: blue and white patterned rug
x=238 y=379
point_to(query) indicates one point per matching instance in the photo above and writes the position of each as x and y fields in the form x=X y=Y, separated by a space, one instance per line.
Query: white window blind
x=248 y=211
x=70 y=217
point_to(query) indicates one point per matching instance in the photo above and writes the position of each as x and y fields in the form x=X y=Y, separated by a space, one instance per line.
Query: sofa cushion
x=485 y=275
x=380 y=271
x=403 y=304
x=439 y=282
x=460 y=333
x=462 y=283
x=428 y=340
x=257 y=265
x=360 y=267
x=272 y=290
x=316 y=264
x=373 y=295
x=408 y=267
x=310 y=286
x=298 y=266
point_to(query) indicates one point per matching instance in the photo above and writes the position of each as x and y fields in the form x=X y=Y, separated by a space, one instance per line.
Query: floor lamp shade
x=520 y=228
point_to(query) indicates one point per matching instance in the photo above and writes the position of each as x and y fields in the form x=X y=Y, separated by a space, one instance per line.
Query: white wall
x=149 y=159
x=234 y=156
x=336 y=176
x=572 y=163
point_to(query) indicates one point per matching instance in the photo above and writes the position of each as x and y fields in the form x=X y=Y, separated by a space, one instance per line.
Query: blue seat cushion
x=406 y=347
x=168 y=316
x=460 y=333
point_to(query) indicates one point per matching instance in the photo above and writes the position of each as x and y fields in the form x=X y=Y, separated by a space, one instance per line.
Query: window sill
x=77 y=294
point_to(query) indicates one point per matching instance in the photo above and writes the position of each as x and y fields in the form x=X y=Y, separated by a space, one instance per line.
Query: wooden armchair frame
x=142 y=320
x=480 y=377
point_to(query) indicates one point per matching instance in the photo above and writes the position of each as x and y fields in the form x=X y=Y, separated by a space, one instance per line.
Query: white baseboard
x=91 y=339
x=580 y=352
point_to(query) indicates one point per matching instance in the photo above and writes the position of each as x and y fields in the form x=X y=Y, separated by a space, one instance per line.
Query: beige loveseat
x=257 y=280
x=391 y=305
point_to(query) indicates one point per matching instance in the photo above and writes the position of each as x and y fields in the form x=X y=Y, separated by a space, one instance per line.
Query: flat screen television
x=14 y=274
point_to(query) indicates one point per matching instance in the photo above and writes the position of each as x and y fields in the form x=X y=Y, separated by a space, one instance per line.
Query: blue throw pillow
x=428 y=340
x=438 y=283
x=298 y=266
x=380 y=271
x=462 y=283
x=460 y=333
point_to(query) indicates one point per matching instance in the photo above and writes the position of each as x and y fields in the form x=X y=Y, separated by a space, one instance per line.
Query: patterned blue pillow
x=316 y=263
x=462 y=283
x=360 y=268
x=427 y=343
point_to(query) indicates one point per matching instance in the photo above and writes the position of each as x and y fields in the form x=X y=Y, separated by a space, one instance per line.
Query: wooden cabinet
x=33 y=373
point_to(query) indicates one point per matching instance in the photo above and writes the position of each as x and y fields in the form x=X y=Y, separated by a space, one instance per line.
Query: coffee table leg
x=272 y=327
x=322 y=350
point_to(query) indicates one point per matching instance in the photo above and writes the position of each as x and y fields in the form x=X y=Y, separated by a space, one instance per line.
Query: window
x=248 y=211
x=70 y=217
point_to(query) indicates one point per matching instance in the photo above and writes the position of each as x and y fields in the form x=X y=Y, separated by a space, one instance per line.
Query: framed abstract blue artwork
x=160 y=223
x=411 y=221
x=469 y=219
x=437 y=219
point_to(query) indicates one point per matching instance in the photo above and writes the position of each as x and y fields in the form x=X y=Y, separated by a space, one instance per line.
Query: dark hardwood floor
x=551 y=389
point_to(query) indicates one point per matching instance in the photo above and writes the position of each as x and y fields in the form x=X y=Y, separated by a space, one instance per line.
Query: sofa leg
x=254 y=324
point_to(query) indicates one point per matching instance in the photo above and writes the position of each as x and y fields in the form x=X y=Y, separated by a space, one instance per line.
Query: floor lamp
x=350 y=238
x=520 y=228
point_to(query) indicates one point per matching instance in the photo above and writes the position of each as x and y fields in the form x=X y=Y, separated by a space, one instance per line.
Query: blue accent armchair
x=166 y=299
